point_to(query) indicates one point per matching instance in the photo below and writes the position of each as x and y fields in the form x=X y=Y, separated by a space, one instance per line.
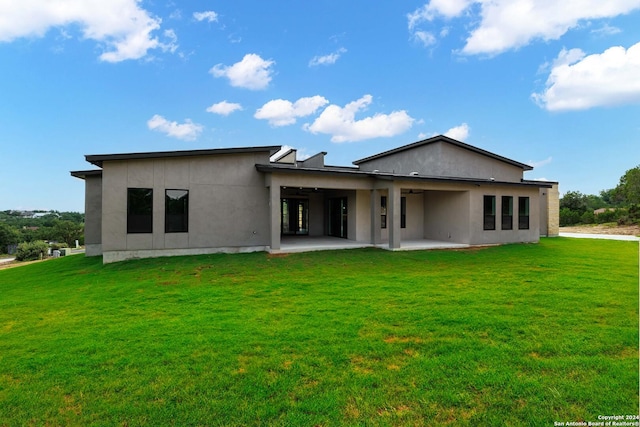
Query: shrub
x=32 y=250
x=610 y=215
x=634 y=213
x=587 y=218
x=569 y=217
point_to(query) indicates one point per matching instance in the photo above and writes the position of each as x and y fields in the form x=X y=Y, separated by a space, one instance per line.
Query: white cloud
x=578 y=81
x=172 y=44
x=327 y=59
x=606 y=30
x=445 y=8
x=209 y=16
x=540 y=163
x=187 y=131
x=459 y=133
x=121 y=26
x=224 y=108
x=252 y=72
x=424 y=37
x=280 y=112
x=340 y=122
x=510 y=24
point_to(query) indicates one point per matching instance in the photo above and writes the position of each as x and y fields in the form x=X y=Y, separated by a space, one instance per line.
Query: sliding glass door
x=294 y=216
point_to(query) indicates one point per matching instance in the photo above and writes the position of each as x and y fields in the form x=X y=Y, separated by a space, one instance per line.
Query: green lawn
x=511 y=335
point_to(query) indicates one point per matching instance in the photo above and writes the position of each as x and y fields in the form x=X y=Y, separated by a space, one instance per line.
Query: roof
x=386 y=176
x=84 y=174
x=442 y=138
x=98 y=159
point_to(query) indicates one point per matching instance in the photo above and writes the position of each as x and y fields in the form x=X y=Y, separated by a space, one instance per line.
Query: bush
x=587 y=218
x=634 y=213
x=630 y=216
x=569 y=217
x=610 y=215
x=31 y=251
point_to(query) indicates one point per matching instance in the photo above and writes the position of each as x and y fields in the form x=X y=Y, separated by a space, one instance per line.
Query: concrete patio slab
x=292 y=244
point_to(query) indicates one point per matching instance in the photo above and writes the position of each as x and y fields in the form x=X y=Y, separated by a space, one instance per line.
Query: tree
x=629 y=187
x=594 y=202
x=8 y=236
x=67 y=231
x=574 y=201
x=610 y=198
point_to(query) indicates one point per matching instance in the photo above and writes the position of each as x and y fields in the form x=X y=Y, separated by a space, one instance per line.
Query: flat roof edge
x=84 y=173
x=399 y=177
x=97 y=159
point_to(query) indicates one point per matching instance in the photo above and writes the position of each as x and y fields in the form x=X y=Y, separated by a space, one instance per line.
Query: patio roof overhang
x=386 y=176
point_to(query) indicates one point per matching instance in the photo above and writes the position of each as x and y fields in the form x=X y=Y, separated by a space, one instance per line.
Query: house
x=437 y=190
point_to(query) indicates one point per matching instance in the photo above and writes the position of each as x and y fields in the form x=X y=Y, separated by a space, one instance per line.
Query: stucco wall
x=363 y=216
x=93 y=215
x=228 y=202
x=415 y=217
x=447 y=216
x=479 y=236
x=447 y=160
x=316 y=214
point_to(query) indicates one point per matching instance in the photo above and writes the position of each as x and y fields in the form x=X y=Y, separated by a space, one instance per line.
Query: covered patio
x=293 y=244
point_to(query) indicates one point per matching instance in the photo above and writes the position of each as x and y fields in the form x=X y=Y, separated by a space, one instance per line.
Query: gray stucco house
x=244 y=199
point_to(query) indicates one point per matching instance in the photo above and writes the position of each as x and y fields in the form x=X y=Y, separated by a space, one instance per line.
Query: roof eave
x=399 y=177
x=98 y=159
x=85 y=173
x=444 y=138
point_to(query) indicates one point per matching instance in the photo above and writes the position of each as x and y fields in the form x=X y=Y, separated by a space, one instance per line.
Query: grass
x=511 y=335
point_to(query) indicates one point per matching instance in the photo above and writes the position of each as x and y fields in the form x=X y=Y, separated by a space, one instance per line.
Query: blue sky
x=552 y=84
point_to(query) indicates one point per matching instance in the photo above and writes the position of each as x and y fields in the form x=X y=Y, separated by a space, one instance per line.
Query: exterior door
x=294 y=216
x=338 y=218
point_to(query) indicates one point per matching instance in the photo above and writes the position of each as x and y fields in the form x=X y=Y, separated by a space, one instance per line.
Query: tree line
x=620 y=204
x=17 y=227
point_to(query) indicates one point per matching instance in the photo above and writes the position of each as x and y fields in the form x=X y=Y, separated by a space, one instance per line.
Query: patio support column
x=274 y=213
x=376 y=234
x=393 y=216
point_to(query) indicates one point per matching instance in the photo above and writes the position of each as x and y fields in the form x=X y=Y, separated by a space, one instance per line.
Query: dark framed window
x=507 y=213
x=176 y=211
x=383 y=212
x=403 y=212
x=139 y=210
x=489 y=211
x=523 y=213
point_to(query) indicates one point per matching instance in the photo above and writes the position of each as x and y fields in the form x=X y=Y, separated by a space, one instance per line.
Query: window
x=507 y=213
x=489 y=211
x=383 y=212
x=139 y=210
x=403 y=212
x=176 y=211
x=523 y=213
